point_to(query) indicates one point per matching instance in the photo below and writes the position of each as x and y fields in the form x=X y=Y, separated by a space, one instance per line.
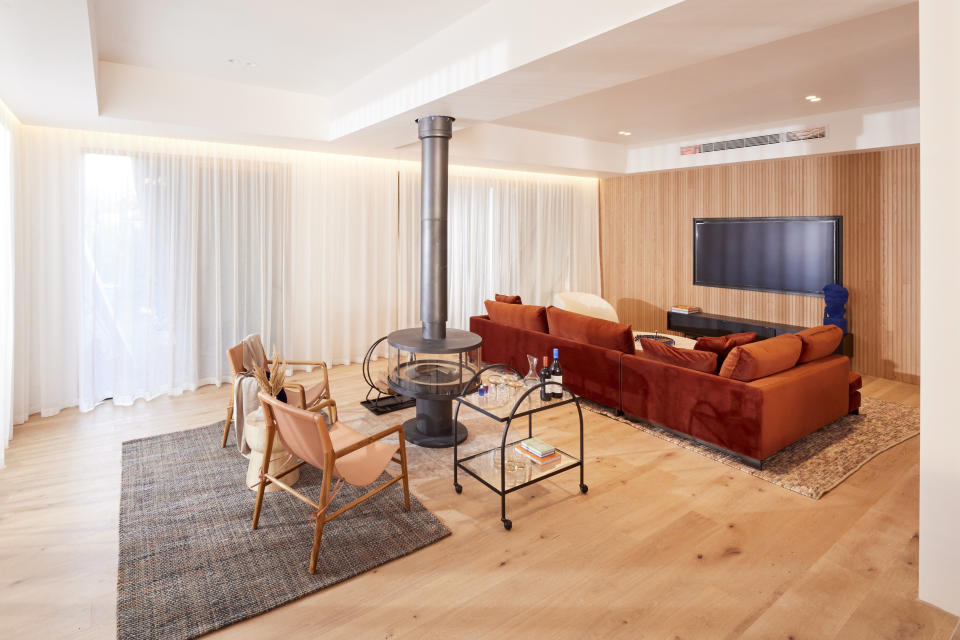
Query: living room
x=479 y=318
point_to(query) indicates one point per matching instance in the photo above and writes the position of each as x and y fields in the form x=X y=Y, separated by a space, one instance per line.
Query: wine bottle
x=546 y=392
x=556 y=375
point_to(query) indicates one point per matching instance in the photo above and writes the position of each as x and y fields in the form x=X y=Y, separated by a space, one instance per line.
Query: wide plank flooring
x=667 y=544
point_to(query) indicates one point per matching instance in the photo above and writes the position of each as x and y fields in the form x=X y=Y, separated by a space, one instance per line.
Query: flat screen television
x=797 y=255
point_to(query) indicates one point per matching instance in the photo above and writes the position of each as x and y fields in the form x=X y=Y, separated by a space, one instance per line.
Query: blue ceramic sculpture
x=835 y=305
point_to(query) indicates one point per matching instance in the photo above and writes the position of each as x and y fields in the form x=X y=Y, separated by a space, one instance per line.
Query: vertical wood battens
x=647 y=244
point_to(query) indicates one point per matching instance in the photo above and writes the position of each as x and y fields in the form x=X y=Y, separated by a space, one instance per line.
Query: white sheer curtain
x=9 y=135
x=139 y=260
x=149 y=257
x=509 y=232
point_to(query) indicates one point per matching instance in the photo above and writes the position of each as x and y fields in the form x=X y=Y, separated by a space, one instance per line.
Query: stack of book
x=685 y=308
x=538 y=451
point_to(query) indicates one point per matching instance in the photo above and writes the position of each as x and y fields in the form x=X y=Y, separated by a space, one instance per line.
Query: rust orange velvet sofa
x=751 y=419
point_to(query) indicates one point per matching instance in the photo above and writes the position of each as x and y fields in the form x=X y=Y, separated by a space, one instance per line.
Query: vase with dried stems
x=271 y=383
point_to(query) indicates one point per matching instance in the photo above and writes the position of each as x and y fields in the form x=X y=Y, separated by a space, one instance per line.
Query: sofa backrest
x=819 y=342
x=590 y=330
x=521 y=316
x=760 y=359
x=590 y=371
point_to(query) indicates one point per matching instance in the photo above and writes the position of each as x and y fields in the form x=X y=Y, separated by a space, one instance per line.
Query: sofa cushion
x=595 y=331
x=819 y=342
x=521 y=316
x=723 y=345
x=705 y=361
x=761 y=359
x=499 y=297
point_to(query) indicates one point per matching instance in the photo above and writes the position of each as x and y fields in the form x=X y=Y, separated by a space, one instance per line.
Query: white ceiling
x=541 y=84
x=308 y=46
x=872 y=60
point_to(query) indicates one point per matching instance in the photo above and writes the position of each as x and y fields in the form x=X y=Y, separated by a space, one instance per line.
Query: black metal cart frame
x=515 y=412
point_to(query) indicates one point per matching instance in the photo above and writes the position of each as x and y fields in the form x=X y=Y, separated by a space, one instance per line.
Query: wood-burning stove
x=433 y=363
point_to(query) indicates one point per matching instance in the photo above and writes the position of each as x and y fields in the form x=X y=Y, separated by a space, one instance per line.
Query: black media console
x=694 y=325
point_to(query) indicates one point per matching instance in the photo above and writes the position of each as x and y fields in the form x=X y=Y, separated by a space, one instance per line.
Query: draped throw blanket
x=245 y=388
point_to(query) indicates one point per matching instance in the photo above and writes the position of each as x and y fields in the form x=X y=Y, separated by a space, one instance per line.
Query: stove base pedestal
x=433 y=425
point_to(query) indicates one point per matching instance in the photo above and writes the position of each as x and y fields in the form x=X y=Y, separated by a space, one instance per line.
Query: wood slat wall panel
x=647 y=244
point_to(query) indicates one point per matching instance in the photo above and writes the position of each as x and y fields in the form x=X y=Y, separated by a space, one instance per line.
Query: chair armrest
x=323 y=368
x=296 y=386
x=397 y=428
x=323 y=404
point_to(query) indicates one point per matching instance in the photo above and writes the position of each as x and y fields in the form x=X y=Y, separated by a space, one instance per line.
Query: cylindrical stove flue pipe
x=435 y=133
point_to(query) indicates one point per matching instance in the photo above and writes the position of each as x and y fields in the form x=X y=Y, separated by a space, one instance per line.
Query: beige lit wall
x=940 y=304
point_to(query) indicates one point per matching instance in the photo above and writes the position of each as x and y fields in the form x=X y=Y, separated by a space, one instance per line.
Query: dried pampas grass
x=274 y=383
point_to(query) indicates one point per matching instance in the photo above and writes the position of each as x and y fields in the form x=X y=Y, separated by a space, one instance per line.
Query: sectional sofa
x=750 y=399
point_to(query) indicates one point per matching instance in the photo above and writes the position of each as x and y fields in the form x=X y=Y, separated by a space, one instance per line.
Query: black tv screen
x=785 y=255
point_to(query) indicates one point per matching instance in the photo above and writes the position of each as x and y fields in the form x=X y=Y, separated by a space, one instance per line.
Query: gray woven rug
x=189 y=562
x=813 y=465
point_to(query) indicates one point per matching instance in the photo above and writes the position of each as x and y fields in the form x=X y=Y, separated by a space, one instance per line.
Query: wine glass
x=495 y=381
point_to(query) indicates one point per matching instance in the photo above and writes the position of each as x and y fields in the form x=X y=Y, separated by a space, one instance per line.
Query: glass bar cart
x=503 y=469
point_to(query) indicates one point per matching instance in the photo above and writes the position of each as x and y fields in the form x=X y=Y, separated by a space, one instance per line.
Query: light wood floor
x=667 y=544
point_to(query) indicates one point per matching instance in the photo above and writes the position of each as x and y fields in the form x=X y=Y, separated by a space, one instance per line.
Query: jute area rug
x=819 y=462
x=190 y=564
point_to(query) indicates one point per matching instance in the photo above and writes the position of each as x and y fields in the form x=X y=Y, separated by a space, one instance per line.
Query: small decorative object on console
x=685 y=308
x=835 y=305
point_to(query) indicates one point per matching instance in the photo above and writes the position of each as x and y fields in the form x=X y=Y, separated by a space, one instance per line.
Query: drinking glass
x=495 y=380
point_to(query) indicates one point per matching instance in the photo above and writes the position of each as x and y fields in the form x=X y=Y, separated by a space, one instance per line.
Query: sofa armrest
x=798 y=401
x=720 y=411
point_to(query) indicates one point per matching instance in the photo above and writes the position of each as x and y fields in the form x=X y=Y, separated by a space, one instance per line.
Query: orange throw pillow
x=722 y=345
x=521 y=316
x=761 y=359
x=819 y=342
x=499 y=297
x=705 y=361
x=595 y=331
x=714 y=344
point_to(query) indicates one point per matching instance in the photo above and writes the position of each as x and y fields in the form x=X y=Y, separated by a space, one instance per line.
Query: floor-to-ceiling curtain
x=508 y=232
x=149 y=257
x=9 y=135
x=140 y=260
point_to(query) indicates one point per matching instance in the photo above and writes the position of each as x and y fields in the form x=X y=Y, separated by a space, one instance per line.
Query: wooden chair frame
x=330 y=458
x=288 y=385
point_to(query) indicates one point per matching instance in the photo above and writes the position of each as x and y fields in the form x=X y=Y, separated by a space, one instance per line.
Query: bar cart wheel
x=507 y=524
x=458 y=487
x=583 y=488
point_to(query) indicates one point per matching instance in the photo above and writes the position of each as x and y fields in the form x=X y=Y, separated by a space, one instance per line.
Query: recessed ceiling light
x=814 y=98
x=240 y=62
x=623 y=133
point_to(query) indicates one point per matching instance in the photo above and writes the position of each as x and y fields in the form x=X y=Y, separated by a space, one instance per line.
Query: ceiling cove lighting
x=813 y=98
x=623 y=133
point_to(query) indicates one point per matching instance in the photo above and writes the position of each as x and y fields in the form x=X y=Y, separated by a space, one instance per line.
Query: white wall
x=939 y=304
